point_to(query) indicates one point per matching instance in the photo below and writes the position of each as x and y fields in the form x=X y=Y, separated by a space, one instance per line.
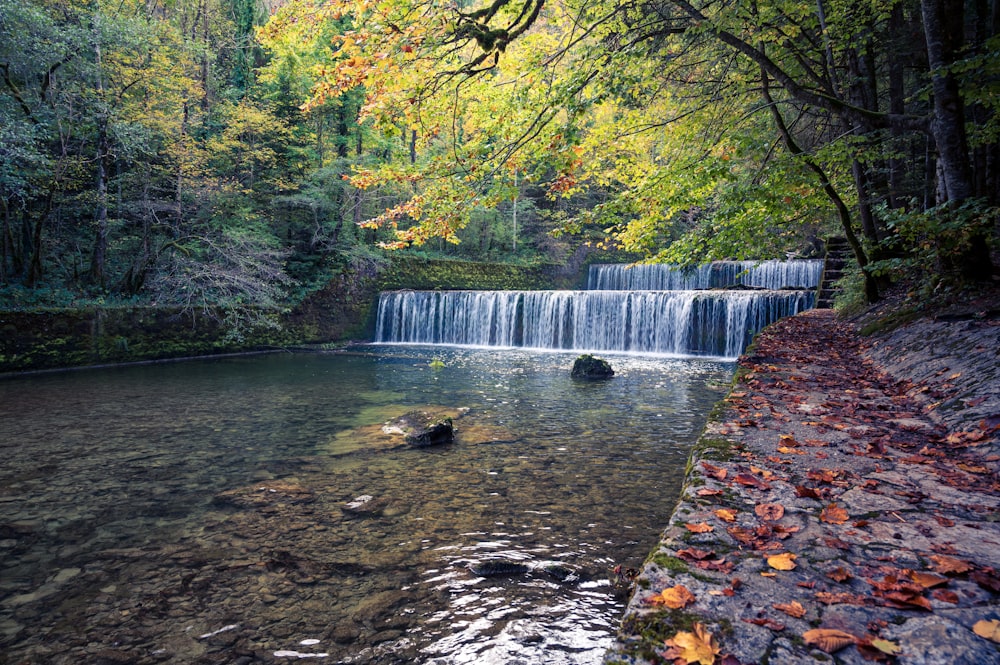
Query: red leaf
x=751 y=481
x=767 y=623
x=804 y=492
x=945 y=596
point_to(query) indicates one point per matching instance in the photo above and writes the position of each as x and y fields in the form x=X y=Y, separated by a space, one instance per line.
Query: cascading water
x=803 y=274
x=712 y=323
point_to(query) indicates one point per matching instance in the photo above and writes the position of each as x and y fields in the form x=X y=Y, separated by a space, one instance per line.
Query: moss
x=714 y=449
x=672 y=564
x=890 y=322
x=645 y=634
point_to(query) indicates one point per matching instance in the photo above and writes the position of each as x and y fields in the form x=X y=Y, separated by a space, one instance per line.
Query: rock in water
x=494 y=567
x=421 y=429
x=589 y=367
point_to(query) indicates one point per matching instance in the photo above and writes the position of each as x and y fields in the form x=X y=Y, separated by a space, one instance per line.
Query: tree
x=688 y=75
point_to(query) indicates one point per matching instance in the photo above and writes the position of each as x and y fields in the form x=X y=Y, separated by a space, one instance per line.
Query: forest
x=233 y=153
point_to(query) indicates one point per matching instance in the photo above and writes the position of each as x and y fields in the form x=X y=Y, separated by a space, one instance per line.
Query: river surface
x=250 y=509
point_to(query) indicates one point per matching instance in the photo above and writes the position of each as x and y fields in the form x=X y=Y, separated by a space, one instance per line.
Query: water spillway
x=707 y=323
x=800 y=274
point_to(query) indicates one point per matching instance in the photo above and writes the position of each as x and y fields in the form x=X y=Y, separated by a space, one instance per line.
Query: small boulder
x=421 y=429
x=589 y=367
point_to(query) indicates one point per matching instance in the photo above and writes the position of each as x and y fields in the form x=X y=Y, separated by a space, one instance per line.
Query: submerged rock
x=589 y=367
x=495 y=567
x=266 y=493
x=422 y=428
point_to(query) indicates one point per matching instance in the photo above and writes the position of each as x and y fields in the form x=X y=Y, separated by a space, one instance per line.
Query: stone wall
x=343 y=310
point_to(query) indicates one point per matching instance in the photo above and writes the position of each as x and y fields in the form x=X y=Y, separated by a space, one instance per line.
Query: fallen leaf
x=787 y=440
x=947 y=565
x=793 y=609
x=829 y=639
x=716 y=472
x=726 y=514
x=990 y=629
x=839 y=574
x=770 y=511
x=751 y=481
x=987 y=578
x=694 y=554
x=925 y=579
x=770 y=624
x=885 y=646
x=821 y=475
x=833 y=514
x=701 y=527
x=696 y=647
x=945 y=596
x=784 y=561
x=708 y=492
x=804 y=492
x=675 y=598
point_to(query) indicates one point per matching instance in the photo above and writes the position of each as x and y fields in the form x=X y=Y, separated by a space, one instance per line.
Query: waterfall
x=712 y=323
x=803 y=274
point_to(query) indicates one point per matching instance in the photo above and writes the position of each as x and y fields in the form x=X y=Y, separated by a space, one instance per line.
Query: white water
x=708 y=323
x=803 y=274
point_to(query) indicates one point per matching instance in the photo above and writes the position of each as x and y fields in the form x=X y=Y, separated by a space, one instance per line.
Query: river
x=199 y=512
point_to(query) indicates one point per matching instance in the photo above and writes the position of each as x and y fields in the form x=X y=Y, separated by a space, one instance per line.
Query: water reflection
x=197 y=512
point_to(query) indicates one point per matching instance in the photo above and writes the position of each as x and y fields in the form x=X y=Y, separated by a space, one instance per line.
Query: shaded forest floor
x=843 y=504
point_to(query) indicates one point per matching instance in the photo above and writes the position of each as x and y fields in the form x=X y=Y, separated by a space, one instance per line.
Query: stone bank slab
x=822 y=496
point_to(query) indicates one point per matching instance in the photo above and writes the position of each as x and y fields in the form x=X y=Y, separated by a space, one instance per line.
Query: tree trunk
x=871 y=284
x=944 y=22
x=99 y=255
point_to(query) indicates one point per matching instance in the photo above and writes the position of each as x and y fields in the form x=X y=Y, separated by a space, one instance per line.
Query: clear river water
x=249 y=509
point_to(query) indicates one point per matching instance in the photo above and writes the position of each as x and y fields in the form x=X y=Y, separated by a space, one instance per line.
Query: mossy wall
x=343 y=310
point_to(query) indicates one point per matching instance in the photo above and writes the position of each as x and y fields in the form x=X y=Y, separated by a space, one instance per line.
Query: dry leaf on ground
x=793 y=609
x=696 y=647
x=675 y=598
x=829 y=639
x=726 y=514
x=771 y=512
x=988 y=629
x=701 y=527
x=833 y=514
x=784 y=561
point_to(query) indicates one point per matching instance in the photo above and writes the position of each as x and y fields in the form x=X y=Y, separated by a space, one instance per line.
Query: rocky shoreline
x=841 y=506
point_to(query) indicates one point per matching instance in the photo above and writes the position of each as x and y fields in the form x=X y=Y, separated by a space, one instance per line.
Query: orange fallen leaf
x=675 y=598
x=833 y=514
x=793 y=609
x=701 y=527
x=696 y=647
x=787 y=440
x=925 y=579
x=716 y=472
x=947 y=564
x=990 y=629
x=829 y=639
x=784 y=561
x=708 y=492
x=726 y=514
x=770 y=511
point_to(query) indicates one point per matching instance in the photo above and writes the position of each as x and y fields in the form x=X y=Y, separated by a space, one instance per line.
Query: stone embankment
x=842 y=506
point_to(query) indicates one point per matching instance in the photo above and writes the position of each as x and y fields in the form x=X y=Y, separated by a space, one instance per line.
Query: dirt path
x=830 y=514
